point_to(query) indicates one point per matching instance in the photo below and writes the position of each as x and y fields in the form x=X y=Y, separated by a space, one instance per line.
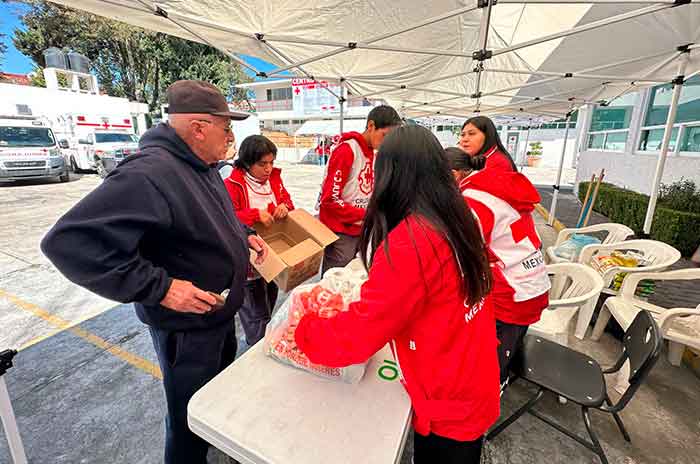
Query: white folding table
x=259 y=411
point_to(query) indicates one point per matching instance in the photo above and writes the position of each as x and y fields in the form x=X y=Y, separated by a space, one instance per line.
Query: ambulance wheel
x=74 y=166
x=101 y=171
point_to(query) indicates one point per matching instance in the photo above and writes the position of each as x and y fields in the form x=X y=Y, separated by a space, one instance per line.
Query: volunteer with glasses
x=161 y=232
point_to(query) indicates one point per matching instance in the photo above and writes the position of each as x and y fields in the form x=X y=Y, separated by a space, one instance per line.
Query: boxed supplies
x=296 y=249
x=333 y=294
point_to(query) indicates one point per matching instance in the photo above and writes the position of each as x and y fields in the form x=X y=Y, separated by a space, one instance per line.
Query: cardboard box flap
x=315 y=228
x=300 y=252
x=270 y=268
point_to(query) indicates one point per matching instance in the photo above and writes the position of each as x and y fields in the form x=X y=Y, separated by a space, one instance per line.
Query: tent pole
x=341 y=101
x=527 y=140
x=677 y=88
x=482 y=54
x=555 y=187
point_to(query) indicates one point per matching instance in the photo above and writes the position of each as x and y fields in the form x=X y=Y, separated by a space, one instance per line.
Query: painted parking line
x=61 y=324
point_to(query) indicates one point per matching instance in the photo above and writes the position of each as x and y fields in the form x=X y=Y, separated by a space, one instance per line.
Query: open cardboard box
x=296 y=249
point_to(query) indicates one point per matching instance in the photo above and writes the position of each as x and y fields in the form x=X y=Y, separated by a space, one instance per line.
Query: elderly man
x=161 y=232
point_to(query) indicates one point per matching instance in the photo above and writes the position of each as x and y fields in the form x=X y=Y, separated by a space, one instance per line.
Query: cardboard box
x=296 y=249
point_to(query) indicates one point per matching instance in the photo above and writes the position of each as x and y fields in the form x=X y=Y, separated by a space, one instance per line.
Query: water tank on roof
x=78 y=62
x=55 y=58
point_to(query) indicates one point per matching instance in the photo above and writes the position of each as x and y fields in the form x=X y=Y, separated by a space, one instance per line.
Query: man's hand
x=184 y=297
x=280 y=212
x=266 y=218
x=258 y=245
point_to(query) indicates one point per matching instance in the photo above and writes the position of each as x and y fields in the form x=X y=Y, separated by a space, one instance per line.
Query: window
x=26 y=137
x=610 y=124
x=279 y=94
x=111 y=137
x=686 y=127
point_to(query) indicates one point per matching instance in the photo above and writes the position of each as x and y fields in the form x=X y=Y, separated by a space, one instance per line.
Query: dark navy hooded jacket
x=162 y=214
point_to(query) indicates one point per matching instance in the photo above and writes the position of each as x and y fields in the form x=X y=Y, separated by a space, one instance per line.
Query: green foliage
x=675 y=227
x=535 y=149
x=682 y=196
x=128 y=61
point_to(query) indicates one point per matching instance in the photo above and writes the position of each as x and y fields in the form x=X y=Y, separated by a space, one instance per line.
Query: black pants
x=259 y=300
x=340 y=252
x=510 y=337
x=188 y=360
x=435 y=449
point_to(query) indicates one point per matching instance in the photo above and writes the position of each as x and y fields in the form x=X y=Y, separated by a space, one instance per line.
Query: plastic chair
x=580 y=379
x=679 y=326
x=659 y=254
x=616 y=233
x=575 y=288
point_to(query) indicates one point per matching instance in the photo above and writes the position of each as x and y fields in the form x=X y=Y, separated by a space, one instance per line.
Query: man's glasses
x=228 y=130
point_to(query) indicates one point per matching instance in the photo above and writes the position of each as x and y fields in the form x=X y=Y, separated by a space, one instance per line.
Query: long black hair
x=412 y=177
x=487 y=126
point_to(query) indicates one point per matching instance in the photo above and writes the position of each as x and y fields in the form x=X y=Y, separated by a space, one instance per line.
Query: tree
x=128 y=61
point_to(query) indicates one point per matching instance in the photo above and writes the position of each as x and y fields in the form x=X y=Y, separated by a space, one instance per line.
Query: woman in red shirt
x=428 y=279
x=259 y=197
x=479 y=138
x=503 y=201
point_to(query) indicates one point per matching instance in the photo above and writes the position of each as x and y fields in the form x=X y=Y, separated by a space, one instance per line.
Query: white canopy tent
x=331 y=127
x=455 y=58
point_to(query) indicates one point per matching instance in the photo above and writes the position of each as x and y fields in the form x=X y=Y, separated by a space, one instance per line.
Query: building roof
x=12 y=78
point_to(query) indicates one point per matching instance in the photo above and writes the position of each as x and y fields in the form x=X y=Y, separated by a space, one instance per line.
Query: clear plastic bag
x=571 y=248
x=333 y=294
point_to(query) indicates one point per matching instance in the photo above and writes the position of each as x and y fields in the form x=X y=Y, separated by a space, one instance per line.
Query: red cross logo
x=105 y=125
x=525 y=228
x=366 y=179
x=296 y=90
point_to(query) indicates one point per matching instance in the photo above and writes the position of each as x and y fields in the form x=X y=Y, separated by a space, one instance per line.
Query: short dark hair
x=459 y=160
x=384 y=116
x=253 y=148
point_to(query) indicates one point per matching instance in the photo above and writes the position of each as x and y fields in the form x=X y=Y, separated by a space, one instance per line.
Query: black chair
x=579 y=378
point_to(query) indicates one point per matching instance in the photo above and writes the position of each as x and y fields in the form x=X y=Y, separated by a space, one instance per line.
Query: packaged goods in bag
x=332 y=295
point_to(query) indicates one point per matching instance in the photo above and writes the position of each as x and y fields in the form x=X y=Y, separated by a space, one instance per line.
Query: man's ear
x=370 y=125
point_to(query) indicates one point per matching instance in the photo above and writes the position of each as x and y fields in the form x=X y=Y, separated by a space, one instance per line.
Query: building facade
x=624 y=138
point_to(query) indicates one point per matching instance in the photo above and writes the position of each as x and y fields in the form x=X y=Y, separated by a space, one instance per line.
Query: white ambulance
x=95 y=142
x=28 y=148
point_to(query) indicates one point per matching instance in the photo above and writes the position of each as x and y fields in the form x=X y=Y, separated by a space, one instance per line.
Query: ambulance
x=28 y=147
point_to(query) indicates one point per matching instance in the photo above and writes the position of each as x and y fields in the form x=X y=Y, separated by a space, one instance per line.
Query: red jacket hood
x=360 y=139
x=512 y=187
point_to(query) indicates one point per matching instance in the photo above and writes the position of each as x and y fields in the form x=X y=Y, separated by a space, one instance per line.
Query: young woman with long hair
x=426 y=294
x=479 y=139
x=503 y=201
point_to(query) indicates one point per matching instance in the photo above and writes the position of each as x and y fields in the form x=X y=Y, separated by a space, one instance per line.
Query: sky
x=15 y=62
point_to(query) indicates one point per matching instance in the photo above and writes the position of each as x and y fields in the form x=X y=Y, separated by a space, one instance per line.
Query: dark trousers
x=259 y=300
x=340 y=252
x=435 y=449
x=510 y=337
x=188 y=360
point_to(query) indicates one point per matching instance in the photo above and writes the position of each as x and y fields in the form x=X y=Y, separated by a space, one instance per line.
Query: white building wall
x=633 y=169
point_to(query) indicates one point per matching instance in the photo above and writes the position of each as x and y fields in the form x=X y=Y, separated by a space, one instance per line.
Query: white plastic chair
x=658 y=254
x=575 y=288
x=616 y=233
x=680 y=326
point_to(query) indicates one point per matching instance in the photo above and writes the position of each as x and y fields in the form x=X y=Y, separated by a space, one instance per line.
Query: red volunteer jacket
x=496 y=160
x=348 y=185
x=238 y=191
x=503 y=203
x=445 y=350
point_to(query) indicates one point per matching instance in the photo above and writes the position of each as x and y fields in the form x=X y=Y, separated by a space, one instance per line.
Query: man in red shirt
x=349 y=183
